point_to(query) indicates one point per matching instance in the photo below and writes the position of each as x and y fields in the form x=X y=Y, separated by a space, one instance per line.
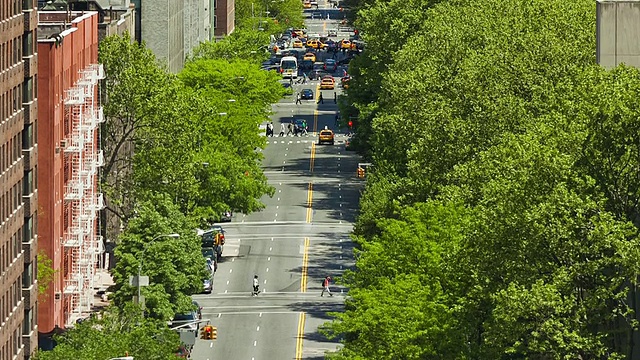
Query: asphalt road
x=299 y=238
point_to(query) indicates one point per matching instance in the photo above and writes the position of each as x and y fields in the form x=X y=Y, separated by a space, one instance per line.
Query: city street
x=299 y=238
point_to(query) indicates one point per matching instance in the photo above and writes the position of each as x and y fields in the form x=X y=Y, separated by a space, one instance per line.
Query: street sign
x=133 y=281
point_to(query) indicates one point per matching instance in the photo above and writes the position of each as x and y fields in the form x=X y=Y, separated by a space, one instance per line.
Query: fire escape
x=83 y=156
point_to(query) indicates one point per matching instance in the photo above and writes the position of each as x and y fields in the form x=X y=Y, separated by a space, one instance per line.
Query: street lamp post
x=144 y=249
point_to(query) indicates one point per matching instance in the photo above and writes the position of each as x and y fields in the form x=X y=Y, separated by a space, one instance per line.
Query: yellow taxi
x=325 y=136
x=327 y=83
x=307 y=5
x=345 y=44
x=297 y=43
x=316 y=44
x=309 y=56
x=298 y=32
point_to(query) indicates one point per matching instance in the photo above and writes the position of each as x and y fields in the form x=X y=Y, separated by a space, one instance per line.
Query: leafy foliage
x=176 y=267
x=45 y=274
x=114 y=333
x=512 y=207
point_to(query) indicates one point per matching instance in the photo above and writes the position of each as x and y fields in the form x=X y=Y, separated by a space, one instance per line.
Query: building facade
x=162 y=29
x=69 y=157
x=18 y=164
x=617 y=32
x=197 y=21
x=224 y=18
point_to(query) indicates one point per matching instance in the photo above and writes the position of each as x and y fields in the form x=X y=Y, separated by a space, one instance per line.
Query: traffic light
x=350 y=124
x=219 y=239
x=361 y=173
x=209 y=333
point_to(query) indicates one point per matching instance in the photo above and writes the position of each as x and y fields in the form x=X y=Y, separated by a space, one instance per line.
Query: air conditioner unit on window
x=58 y=295
x=63 y=144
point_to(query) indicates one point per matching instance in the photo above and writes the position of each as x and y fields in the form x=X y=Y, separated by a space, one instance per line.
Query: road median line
x=305 y=266
x=300 y=336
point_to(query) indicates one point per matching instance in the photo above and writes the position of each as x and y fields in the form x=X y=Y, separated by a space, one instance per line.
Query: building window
x=215 y=21
x=27 y=137
x=27 y=276
x=27 y=229
x=27 y=44
x=27 y=90
x=27 y=183
x=27 y=324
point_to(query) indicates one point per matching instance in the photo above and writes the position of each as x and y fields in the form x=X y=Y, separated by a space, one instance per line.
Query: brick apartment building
x=224 y=17
x=18 y=195
x=69 y=157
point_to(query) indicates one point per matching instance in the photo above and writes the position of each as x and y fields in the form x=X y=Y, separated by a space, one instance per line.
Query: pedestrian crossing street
x=305 y=139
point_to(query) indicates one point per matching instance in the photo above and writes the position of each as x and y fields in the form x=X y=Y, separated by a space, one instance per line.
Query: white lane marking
x=276 y=214
x=340 y=196
x=338 y=170
x=265 y=281
x=287 y=149
x=225 y=291
x=340 y=206
x=219 y=314
x=210 y=345
x=279 y=183
x=268 y=268
x=260 y=315
x=269 y=258
x=258 y=328
x=277 y=207
x=242 y=220
x=284 y=162
x=278 y=199
x=338 y=158
x=233 y=259
x=285 y=154
x=271 y=239
x=255 y=342
x=230 y=270
x=227 y=282
x=270 y=249
x=279 y=191
x=338 y=164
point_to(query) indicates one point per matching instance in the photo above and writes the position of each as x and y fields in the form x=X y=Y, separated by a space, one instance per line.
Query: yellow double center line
x=309 y=203
x=303 y=288
x=313 y=157
x=300 y=336
x=305 y=266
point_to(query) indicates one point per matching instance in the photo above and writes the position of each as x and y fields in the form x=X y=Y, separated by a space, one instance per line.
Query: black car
x=318 y=74
x=306 y=94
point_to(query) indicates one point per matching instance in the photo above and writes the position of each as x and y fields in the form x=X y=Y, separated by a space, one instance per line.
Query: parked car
x=189 y=318
x=226 y=216
x=207 y=283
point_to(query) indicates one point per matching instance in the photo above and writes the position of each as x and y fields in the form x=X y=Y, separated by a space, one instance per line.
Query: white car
x=332 y=32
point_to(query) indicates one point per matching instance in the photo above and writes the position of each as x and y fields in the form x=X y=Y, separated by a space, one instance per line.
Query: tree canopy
x=113 y=333
x=503 y=215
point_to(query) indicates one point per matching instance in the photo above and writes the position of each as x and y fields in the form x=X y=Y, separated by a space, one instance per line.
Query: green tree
x=113 y=333
x=136 y=92
x=45 y=274
x=176 y=267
